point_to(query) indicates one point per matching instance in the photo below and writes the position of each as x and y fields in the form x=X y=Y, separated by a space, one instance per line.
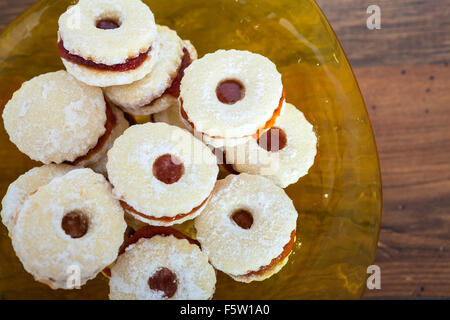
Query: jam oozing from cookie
x=75 y=224
x=243 y=218
x=107 y=24
x=230 y=91
x=174 y=89
x=271 y=122
x=164 y=280
x=129 y=64
x=168 y=169
x=273 y=140
x=276 y=261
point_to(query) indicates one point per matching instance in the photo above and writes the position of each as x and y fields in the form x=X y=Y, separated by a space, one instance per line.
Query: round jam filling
x=273 y=140
x=230 y=91
x=107 y=24
x=168 y=169
x=164 y=280
x=174 y=89
x=243 y=219
x=75 y=224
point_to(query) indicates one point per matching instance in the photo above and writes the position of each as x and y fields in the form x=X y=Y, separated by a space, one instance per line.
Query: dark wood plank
x=412 y=32
x=410 y=114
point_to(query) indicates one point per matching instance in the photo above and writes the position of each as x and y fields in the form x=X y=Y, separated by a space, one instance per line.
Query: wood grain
x=404 y=76
x=412 y=32
x=410 y=115
x=403 y=73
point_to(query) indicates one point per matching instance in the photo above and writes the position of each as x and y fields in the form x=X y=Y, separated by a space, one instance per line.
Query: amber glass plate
x=339 y=202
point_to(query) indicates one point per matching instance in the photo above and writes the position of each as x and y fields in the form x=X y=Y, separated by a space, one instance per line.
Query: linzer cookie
x=55 y=118
x=160 y=268
x=108 y=42
x=72 y=222
x=283 y=154
x=231 y=96
x=248 y=227
x=161 y=173
x=161 y=88
x=19 y=191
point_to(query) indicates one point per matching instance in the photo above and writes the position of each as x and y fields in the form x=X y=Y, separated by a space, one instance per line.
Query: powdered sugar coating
x=55 y=118
x=43 y=247
x=130 y=170
x=196 y=278
x=19 y=191
x=286 y=166
x=102 y=78
x=98 y=161
x=263 y=91
x=137 y=31
x=140 y=93
x=237 y=251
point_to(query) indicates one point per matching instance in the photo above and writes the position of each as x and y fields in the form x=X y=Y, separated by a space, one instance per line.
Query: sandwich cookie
x=162 y=174
x=55 y=118
x=231 y=96
x=161 y=267
x=283 y=154
x=105 y=43
x=159 y=89
x=71 y=223
x=19 y=191
x=248 y=227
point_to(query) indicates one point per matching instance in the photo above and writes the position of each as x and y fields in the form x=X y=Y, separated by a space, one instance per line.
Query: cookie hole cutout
x=230 y=91
x=243 y=218
x=273 y=140
x=165 y=281
x=168 y=169
x=75 y=224
x=108 y=22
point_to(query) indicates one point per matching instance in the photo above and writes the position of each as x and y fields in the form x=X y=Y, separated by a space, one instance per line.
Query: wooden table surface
x=403 y=73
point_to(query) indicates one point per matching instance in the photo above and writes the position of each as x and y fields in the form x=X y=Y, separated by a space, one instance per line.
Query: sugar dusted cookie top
x=246 y=224
x=134 y=33
x=55 y=118
x=72 y=221
x=161 y=170
x=19 y=191
x=162 y=268
x=231 y=94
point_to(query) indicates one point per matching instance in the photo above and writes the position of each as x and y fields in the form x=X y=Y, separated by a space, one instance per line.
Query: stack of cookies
x=223 y=114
